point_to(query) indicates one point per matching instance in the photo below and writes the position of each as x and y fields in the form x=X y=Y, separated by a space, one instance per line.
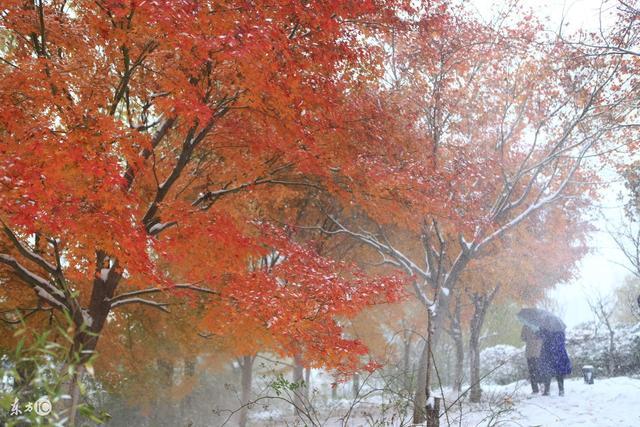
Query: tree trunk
x=74 y=392
x=89 y=322
x=356 y=385
x=475 y=393
x=435 y=324
x=459 y=367
x=246 y=364
x=474 y=369
x=166 y=370
x=456 y=335
x=612 y=350
x=186 y=407
x=406 y=361
x=481 y=303
x=433 y=413
x=307 y=382
x=164 y=414
x=420 y=399
x=298 y=378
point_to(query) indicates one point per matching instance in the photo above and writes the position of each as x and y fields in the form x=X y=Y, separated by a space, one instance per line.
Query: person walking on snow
x=554 y=360
x=533 y=347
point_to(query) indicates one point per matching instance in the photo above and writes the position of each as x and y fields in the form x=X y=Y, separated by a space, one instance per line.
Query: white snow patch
x=88 y=320
x=433 y=309
x=157 y=228
x=430 y=402
x=608 y=402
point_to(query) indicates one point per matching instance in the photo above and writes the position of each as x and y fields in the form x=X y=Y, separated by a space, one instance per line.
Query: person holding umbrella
x=533 y=348
x=554 y=360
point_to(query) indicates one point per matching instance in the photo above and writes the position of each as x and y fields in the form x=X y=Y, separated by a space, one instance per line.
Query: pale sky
x=599 y=271
x=577 y=13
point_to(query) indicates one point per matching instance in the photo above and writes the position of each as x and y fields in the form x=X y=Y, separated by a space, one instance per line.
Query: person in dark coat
x=554 y=360
x=533 y=347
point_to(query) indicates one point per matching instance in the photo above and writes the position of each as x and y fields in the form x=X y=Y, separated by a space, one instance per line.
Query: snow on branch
x=155 y=304
x=28 y=253
x=211 y=197
x=128 y=295
x=43 y=287
x=539 y=203
x=383 y=248
x=399 y=259
x=159 y=227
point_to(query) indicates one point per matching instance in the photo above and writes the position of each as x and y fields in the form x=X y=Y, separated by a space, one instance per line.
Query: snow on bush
x=588 y=345
x=502 y=364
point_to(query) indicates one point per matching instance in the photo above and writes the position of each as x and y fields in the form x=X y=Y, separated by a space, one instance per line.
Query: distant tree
x=627 y=307
x=603 y=308
x=499 y=330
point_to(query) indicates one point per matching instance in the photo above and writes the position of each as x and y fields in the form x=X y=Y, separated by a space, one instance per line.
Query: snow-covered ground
x=608 y=402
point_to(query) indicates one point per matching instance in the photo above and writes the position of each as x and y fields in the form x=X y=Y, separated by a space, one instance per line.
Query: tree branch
x=147 y=291
x=126 y=301
x=43 y=288
x=26 y=252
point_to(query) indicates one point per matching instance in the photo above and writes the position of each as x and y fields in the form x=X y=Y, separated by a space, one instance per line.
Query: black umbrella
x=541 y=319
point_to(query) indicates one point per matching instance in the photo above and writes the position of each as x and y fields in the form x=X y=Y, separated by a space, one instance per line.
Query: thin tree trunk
x=481 y=303
x=435 y=325
x=246 y=364
x=164 y=414
x=356 y=385
x=74 y=392
x=406 y=368
x=433 y=413
x=420 y=398
x=307 y=382
x=423 y=387
x=612 y=350
x=298 y=378
x=475 y=394
x=186 y=407
x=459 y=367
x=456 y=335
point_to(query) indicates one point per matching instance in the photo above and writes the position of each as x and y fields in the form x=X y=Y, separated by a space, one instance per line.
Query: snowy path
x=609 y=402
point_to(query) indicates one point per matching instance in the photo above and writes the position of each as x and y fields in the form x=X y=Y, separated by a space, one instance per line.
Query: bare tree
x=627 y=239
x=603 y=309
x=627 y=296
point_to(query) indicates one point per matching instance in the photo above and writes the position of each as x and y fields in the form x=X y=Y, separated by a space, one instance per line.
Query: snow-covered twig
x=159 y=305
